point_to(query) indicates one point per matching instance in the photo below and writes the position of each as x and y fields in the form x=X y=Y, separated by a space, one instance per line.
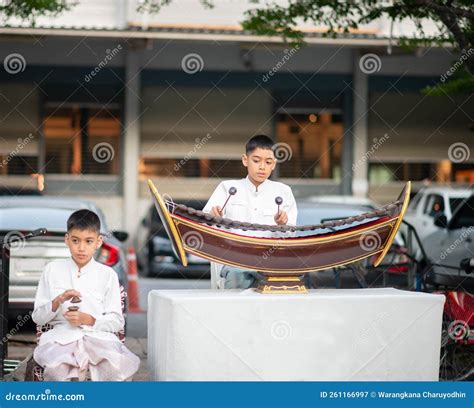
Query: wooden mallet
x=232 y=192
x=278 y=202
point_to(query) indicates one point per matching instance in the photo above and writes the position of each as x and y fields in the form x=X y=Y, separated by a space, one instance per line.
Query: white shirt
x=252 y=204
x=100 y=294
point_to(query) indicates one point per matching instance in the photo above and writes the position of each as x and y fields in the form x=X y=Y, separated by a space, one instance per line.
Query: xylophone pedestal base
x=275 y=284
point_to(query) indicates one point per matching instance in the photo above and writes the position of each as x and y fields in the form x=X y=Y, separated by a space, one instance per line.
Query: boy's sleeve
x=292 y=210
x=43 y=308
x=112 y=319
x=218 y=198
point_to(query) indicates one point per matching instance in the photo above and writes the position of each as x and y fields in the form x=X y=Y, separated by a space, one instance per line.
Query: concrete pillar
x=360 y=184
x=347 y=143
x=131 y=142
x=121 y=14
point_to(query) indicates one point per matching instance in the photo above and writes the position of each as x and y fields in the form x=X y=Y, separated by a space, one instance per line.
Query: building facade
x=95 y=102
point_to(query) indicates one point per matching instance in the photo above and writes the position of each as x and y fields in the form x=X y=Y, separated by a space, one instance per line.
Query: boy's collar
x=252 y=186
x=83 y=269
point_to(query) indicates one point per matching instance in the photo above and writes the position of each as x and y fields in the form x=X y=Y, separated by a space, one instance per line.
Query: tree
x=453 y=18
x=30 y=10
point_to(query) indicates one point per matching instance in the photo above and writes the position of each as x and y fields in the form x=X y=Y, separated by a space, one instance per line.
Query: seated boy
x=83 y=335
x=253 y=202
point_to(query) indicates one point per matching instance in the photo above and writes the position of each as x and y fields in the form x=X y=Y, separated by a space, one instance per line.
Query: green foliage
x=462 y=82
x=155 y=6
x=454 y=20
x=30 y=10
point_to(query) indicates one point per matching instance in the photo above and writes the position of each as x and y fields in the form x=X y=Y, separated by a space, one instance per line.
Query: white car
x=451 y=249
x=431 y=203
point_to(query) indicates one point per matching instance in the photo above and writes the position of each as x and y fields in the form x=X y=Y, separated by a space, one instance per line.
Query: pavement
x=21 y=348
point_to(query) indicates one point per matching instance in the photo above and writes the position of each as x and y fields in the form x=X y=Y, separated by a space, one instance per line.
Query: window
x=454 y=203
x=442 y=171
x=225 y=168
x=434 y=205
x=82 y=140
x=315 y=144
x=18 y=164
x=415 y=201
x=464 y=217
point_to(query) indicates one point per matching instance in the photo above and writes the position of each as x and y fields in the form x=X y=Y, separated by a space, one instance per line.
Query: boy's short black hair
x=83 y=220
x=262 y=141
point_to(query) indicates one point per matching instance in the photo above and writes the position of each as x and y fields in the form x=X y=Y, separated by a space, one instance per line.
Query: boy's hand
x=78 y=318
x=216 y=211
x=66 y=295
x=281 y=217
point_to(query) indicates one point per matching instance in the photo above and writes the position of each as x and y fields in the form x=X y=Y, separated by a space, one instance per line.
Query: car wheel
x=457 y=356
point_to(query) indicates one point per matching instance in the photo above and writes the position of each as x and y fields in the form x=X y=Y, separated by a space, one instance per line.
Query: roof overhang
x=194 y=35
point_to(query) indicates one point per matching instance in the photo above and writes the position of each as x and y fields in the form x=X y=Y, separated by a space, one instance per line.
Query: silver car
x=318 y=210
x=451 y=249
x=430 y=203
x=29 y=257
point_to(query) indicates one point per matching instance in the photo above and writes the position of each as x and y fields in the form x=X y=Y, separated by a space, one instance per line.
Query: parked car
x=431 y=203
x=155 y=255
x=451 y=249
x=28 y=258
x=348 y=200
x=311 y=212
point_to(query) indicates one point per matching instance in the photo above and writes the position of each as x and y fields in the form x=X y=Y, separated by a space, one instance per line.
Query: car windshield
x=31 y=218
x=464 y=217
x=414 y=201
x=314 y=214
